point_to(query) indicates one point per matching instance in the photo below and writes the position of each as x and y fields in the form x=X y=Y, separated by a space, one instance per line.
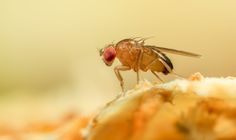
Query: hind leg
x=177 y=75
x=157 y=76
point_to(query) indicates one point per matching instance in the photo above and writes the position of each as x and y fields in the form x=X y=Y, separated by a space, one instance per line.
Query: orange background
x=49 y=58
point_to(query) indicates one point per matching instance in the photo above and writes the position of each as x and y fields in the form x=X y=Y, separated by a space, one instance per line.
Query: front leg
x=117 y=70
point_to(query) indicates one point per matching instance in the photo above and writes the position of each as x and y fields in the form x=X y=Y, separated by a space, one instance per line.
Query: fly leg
x=148 y=66
x=117 y=70
x=140 y=56
x=138 y=77
x=157 y=76
x=177 y=75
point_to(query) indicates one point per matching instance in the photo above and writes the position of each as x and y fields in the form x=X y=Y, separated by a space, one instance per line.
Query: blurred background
x=49 y=49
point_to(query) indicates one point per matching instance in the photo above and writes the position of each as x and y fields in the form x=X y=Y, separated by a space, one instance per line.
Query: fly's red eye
x=109 y=54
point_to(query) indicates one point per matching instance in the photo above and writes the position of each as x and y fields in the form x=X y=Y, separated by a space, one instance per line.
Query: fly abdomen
x=168 y=64
x=165 y=61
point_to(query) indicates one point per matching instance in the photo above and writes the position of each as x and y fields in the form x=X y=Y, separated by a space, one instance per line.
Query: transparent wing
x=173 y=51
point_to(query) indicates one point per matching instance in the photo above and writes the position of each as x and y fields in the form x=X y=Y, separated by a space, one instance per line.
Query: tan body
x=137 y=57
x=134 y=54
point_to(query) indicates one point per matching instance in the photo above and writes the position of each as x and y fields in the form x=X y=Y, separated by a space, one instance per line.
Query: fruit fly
x=135 y=55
